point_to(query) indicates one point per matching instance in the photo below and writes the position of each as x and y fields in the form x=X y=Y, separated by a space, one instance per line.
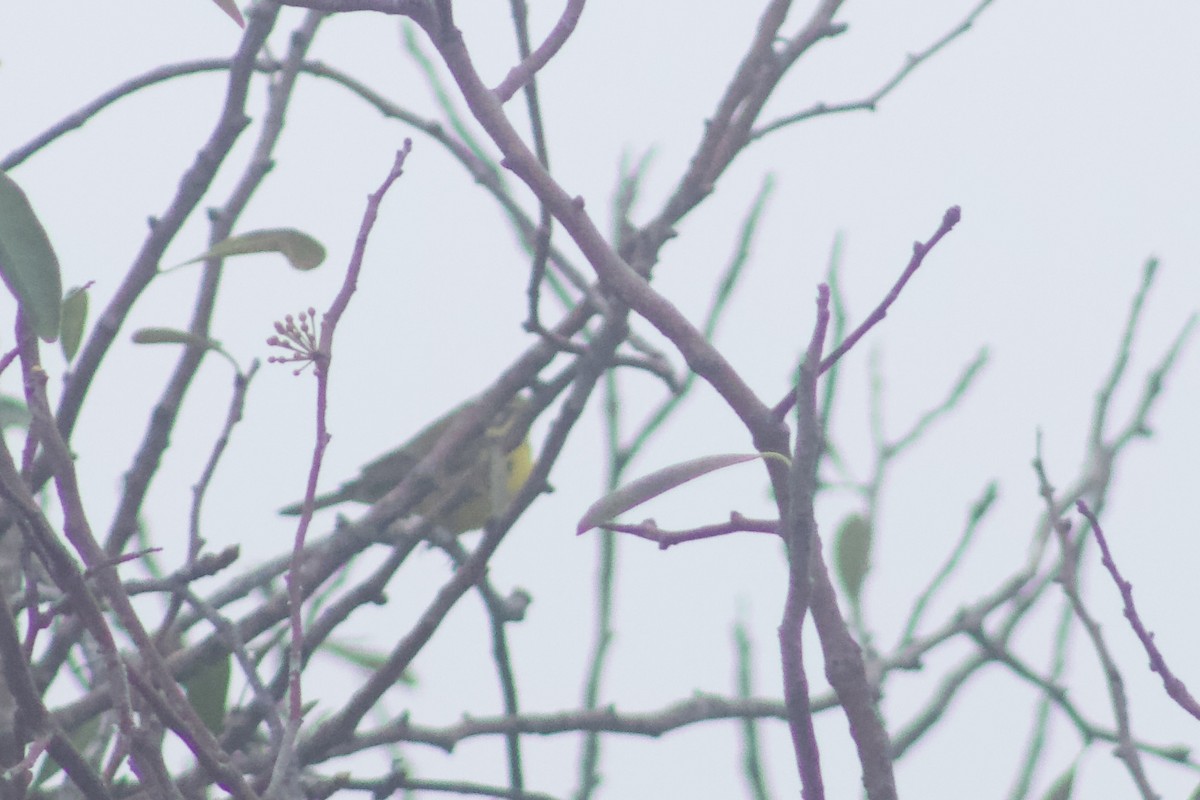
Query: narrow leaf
x=13 y=412
x=171 y=336
x=634 y=494
x=230 y=8
x=852 y=554
x=1062 y=788
x=27 y=261
x=364 y=658
x=1177 y=752
x=74 y=320
x=302 y=251
x=81 y=737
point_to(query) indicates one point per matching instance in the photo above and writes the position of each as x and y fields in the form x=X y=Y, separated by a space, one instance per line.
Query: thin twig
x=520 y=75
x=1175 y=688
x=323 y=361
x=978 y=510
x=1118 y=698
x=752 y=766
x=799 y=529
x=871 y=102
x=920 y=250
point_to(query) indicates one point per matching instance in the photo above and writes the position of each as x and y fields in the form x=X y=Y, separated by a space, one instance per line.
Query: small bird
x=484 y=477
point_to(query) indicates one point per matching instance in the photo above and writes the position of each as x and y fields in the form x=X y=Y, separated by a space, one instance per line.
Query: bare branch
x=521 y=74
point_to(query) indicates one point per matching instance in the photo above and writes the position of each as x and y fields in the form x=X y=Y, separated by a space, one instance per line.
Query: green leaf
x=1061 y=789
x=1177 y=752
x=207 y=690
x=634 y=494
x=27 y=261
x=13 y=412
x=852 y=554
x=172 y=336
x=81 y=737
x=302 y=251
x=365 y=658
x=74 y=320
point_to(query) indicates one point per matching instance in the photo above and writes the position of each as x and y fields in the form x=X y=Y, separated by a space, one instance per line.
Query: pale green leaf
x=302 y=251
x=1062 y=788
x=13 y=412
x=634 y=494
x=74 y=320
x=171 y=336
x=852 y=554
x=365 y=658
x=81 y=737
x=1177 y=752
x=27 y=261
x=208 y=689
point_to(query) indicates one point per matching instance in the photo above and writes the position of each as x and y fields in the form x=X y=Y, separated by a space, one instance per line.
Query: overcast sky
x=1067 y=132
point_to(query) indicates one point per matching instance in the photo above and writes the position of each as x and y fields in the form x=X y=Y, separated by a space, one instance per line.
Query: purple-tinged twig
x=183 y=721
x=60 y=564
x=1021 y=591
x=799 y=530
x=869 y=103
x=345 y=720
x=77 y=119
x=66 y=575
x=398 y=782
x=1175 y=688
x=1068 y=576
x=482 y=172
x=233 y=642
x=417 y=9
x=1056 y=693
x=237 y=403
x=618 y=276
x=521 y=74
x=675 y=716
x=847 y=673
x=206 y=565
x=728 y=281
x=725 y=135
x=845 y=667
x=322 y=363
x=920 y=250
x=19 y=684
x=545 y=228
x=620 y=456
x=650 y=531
x=8 y=358
x=192 y=187
x=887 y=452
x=727 y=128
x=151 y=451
x=501 y=611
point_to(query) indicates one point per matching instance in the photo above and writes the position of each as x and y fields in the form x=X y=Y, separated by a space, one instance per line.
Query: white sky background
x=1066 y=131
